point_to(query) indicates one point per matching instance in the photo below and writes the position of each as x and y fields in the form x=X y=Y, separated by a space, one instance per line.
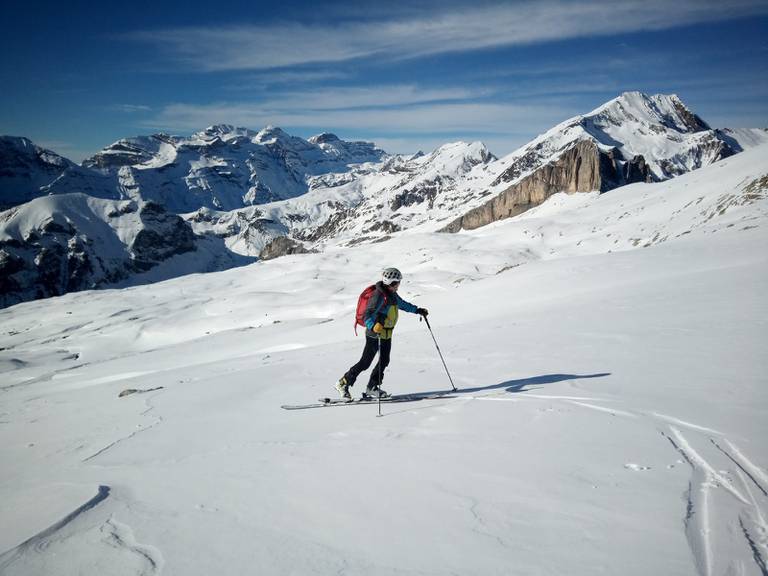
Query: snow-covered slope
x=611 y=415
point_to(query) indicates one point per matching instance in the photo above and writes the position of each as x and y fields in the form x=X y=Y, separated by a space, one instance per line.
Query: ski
x=326 y=402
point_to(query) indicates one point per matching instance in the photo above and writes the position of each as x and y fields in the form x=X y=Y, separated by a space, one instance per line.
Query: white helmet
x=391 y=275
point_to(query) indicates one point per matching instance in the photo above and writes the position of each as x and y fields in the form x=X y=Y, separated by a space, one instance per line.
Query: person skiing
x=379 y=317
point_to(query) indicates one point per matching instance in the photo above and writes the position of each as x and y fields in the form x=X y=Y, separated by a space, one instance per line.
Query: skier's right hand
x=378 y=328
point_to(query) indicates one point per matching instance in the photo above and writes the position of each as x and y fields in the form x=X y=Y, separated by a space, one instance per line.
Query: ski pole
x=380 y=374
x=440 y=353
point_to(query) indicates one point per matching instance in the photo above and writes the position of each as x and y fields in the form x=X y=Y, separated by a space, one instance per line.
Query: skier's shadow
x=526 y=384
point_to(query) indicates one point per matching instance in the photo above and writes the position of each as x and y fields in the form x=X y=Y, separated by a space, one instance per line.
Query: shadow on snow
x=514 y=386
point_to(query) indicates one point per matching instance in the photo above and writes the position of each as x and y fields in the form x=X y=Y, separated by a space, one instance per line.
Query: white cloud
x=130 y=108
x=332 y=98
x=385 y=107
x=424 y=33
x=293 y=77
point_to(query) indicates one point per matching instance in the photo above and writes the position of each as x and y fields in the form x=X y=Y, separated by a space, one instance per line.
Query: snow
x=637 y=124
x=248 y=187
x=610 y=418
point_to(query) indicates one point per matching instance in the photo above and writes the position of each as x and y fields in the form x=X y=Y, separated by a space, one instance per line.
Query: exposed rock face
x=163 y=235
x=583 y=168
x=67 y=243
x=404 y=192
x=282 y=246
x=127 y=152
x=44 y=268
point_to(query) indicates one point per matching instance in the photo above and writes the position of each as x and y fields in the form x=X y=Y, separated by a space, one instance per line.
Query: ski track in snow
x=612 y=411
x=702 y=532
x=752 y=471
x=685 y=424
x=703 y=526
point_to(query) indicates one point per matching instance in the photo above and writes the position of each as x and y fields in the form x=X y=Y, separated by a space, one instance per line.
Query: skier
x=380 y=317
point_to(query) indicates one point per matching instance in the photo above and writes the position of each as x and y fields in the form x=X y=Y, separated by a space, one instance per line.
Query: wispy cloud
x=422 y=33
x=295 y=77
x=325 y=107
x=130 y=108
x=335 y=98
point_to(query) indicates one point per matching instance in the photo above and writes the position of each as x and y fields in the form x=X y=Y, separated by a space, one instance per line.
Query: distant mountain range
x=154 y=207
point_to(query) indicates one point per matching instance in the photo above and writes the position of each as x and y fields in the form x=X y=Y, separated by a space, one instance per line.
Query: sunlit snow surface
x=611 y=416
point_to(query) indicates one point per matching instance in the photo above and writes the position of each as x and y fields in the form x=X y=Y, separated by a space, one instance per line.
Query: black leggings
x=369 y=353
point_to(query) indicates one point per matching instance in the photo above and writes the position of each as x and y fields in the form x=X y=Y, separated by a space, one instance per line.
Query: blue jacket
x=382 y=308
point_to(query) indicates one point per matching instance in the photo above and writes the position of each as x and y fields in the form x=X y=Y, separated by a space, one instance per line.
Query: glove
x=378 y=328
x=422 y=312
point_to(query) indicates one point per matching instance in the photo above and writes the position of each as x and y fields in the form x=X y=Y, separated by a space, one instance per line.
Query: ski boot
x=343 y=389
x=374 y=392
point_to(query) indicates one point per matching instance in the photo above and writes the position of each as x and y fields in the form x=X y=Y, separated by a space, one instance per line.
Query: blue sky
x=77 y=76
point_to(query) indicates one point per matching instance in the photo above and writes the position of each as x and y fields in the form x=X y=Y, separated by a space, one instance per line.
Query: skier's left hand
x=422 y=312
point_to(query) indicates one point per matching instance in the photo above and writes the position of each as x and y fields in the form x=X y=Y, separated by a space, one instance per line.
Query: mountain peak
x=271 y=133
x=24 y=147
x=324 y=138
x=667 y=110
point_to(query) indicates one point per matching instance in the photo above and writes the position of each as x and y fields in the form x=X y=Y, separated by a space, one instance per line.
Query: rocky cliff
x=61 y=244
x=583 y=168
x=633 y=138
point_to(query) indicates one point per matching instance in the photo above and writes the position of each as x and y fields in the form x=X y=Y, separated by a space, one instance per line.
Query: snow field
x=610 y=418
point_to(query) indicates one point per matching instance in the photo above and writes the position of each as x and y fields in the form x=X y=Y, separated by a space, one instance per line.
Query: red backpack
x=362 y=304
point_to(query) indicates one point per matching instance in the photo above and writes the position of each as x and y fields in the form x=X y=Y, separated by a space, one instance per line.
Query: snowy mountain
x=25 y=169
x=402 y=193
x=633 y=138
x=225 y=168
x=611 y=413
x=241 y=193
x=70 y=242
x=222 y=168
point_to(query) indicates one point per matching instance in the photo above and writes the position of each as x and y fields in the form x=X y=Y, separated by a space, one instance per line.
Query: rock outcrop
x=583 y=168
x=282 y=246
